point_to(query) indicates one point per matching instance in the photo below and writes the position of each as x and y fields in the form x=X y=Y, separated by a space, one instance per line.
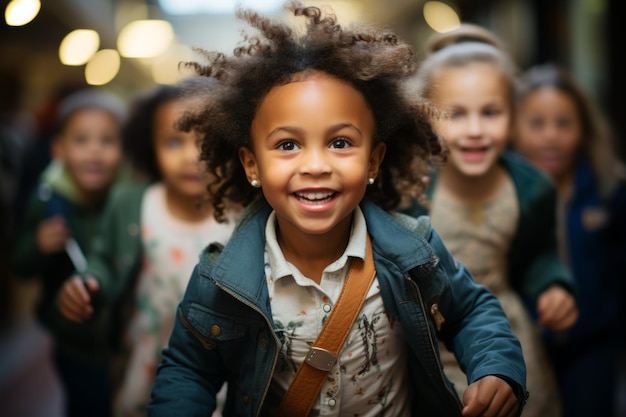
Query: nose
x=95 y=147
x=315 y=161
x=550 y=132
x=474 y=126
x=192 y=152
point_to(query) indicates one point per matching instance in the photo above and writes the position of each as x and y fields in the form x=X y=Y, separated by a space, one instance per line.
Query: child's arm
x=112 y=261
x=479 y=333
x=37 y=238
x=51 y=235
x=188 y=373
x=75 y=298
x=534 y=261
x=557 y=308
x=546 y=279
x=490 y=396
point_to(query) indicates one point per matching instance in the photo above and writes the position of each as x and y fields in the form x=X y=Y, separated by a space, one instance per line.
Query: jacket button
x=216 y=330
x=263 y=343
x=245 y=399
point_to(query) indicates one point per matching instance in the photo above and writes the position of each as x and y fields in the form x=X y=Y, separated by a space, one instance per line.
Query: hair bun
x=466 y=32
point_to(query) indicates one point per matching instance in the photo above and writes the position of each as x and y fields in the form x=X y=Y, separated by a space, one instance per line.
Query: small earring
x=370 y=181
x=254 y=183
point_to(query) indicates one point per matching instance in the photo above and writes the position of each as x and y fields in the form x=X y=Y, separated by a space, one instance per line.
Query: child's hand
x=74 y=299
x=557 y=308
x=490 y=396
x=52 y=234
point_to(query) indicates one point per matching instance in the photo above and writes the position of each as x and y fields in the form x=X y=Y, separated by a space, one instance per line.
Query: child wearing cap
x=54 y=234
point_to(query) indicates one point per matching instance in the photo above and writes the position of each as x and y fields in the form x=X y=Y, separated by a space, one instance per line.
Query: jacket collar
x=238 y=269
x=394 y=237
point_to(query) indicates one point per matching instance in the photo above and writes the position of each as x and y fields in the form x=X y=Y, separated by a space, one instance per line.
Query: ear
x=376 y=158
x=248 y=161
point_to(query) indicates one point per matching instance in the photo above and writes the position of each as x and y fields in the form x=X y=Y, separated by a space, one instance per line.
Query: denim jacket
x=224 y=330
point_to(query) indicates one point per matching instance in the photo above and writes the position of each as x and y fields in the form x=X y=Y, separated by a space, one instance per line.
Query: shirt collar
x=355 y=248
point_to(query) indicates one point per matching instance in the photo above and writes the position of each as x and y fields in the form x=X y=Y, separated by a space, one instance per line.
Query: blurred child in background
x=494 y=211
x=55 y=235
x=560 y=130
x=151 y=236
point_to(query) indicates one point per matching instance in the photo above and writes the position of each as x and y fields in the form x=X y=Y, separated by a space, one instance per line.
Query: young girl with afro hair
x=313 y=134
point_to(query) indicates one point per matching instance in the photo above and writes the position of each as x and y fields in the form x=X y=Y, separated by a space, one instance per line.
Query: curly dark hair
x=374 y=61
x=138 y=131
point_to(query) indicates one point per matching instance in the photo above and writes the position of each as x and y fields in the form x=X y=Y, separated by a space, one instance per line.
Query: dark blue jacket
x=224 y=330
x=596 y=249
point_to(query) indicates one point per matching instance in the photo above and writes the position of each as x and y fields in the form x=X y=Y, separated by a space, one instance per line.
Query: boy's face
x=478 y=99
x=312 y=153
x=178 y=153
x=90 y=148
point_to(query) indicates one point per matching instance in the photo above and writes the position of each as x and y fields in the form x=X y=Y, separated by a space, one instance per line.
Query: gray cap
x=94 y=98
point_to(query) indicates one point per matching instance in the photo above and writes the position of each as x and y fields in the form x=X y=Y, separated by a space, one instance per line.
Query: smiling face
x=478 y=97
x=90 y=148
x=312 y=153
x=548 y=131
x=178 y=153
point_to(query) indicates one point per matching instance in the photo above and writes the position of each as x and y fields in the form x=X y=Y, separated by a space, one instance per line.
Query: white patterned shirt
x=171 y=250
x=370 y=377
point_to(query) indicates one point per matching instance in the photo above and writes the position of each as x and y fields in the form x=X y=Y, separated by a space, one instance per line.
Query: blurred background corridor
x=50 y=48
x=580 y=34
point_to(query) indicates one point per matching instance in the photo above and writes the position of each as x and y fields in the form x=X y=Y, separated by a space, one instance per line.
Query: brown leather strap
x=321 y=358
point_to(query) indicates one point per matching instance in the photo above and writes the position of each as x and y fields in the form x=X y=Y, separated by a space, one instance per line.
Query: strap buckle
x=321 y=359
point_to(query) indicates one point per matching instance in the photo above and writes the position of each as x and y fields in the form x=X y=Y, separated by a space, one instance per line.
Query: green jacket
x=56 y=194
x=116 y=255
x=533 y=258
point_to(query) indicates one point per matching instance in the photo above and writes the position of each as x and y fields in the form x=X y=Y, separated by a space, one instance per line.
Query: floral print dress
x=171 y=250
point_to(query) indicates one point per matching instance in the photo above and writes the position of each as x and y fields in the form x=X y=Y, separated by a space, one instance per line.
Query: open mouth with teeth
x=474 y=154
x=481 y=149
x=315 y=198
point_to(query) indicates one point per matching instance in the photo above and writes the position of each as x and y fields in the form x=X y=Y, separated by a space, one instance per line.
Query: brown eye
x=287 y=145
x=340 y=143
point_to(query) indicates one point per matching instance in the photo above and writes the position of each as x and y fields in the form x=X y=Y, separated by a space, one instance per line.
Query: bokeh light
x=21 y=12
x=145 y=38
x=440 y=16
x=102 y=67
x=165 y=68
x=79 y=46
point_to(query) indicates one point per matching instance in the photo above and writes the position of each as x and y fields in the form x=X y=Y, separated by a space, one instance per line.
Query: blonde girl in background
x=494 y=211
